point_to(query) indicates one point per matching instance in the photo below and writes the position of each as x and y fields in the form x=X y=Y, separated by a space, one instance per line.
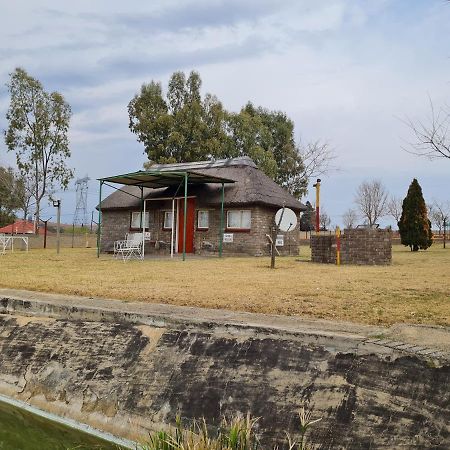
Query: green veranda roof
x=163 y=178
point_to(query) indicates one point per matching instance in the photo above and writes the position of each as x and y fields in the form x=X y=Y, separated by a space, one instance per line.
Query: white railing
x=7 y=242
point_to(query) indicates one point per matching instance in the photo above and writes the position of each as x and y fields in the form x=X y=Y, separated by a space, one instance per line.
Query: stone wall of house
x=358 y=246
x=114 y=226
x=254 y=242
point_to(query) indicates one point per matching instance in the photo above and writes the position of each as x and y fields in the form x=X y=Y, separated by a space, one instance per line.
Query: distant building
x=250 y=204
x=20 y=227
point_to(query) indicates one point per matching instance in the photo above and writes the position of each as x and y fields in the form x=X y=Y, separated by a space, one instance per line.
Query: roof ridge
x=208 y=164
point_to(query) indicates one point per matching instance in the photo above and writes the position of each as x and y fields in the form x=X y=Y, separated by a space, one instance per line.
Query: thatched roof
x=251 y=186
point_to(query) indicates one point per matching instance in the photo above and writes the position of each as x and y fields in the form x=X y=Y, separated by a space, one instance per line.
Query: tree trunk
x=36 y=217
x=415 y=248
x=38 y=198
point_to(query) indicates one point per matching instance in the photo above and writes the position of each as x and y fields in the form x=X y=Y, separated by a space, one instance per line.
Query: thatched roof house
x=250 y=204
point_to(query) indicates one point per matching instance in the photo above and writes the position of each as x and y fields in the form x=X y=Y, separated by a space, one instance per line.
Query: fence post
x=445 y=225
x=57 y=205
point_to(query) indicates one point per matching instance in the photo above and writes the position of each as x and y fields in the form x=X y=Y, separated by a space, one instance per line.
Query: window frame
x=202 y=228
x=167 y=213
x=240 y=228
x=138 y=213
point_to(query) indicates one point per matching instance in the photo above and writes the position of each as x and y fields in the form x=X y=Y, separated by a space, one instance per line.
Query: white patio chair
x=129 y=248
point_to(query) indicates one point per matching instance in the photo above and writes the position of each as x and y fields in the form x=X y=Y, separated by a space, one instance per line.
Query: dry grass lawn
x=415 y=289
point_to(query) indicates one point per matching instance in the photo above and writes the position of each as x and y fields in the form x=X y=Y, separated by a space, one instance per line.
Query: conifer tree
x=414 y=226
x=307 y=221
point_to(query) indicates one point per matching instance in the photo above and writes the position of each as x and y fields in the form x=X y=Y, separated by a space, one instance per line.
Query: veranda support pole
x=173 y=226
x=221 y=222
x=99 y=226
x=185 y=214
x=142 y=220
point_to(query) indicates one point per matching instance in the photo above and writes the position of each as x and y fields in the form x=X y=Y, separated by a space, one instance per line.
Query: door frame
x=179 y=226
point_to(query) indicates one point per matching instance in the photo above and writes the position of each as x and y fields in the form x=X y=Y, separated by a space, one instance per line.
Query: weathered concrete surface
x=128 y=368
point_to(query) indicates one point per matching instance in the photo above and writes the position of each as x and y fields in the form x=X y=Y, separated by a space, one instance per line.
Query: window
x=167 y=220
x=239 y=219
x=136 y=219
x=203 y=219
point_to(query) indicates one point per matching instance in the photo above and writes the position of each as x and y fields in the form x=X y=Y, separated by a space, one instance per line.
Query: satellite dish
x=288 y=221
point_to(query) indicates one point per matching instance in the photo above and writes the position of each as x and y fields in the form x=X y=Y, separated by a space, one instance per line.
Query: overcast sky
x=346 y=72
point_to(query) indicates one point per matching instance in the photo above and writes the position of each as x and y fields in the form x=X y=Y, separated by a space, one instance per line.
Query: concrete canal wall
x=131 y=368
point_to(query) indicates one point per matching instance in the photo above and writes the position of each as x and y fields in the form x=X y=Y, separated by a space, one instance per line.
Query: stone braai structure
x=360 y=246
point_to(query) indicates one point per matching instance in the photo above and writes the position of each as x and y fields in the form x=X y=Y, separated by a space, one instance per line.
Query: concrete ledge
x=346 y=336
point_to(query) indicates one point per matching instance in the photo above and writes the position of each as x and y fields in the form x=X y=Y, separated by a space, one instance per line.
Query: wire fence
x=87 y=240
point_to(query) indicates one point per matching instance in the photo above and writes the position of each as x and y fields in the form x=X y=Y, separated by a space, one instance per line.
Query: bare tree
x=439 y=212
x=317 y=158
x=394 y=208
x=350 y=217
x=371 y=199
x=431 y=139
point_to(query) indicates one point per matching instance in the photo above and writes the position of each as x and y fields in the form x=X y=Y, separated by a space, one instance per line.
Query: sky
x=347 y=72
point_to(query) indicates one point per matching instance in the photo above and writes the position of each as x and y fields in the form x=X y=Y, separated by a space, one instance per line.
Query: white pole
x=173 y=225
x=143 y=233
x=176 y=232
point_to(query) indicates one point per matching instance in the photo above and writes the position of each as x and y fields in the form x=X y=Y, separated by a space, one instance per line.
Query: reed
x=238 y=433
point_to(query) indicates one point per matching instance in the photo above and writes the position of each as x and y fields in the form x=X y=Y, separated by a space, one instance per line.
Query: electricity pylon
x=81 y=214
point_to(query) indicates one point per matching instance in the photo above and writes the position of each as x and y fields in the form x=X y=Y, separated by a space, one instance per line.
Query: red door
x=190 y=219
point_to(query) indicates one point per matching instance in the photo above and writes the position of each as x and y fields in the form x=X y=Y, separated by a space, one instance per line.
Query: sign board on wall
x=228 y=237
x=279 y=242
x=147 y=235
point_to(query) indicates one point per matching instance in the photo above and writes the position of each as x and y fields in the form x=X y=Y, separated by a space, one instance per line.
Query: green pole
x=142 y=204
x=142 y=222
x=221 y=222
x=99 y=226
x=185 y=214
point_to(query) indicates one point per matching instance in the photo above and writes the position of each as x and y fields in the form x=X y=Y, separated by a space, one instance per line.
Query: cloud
x=198 y=15
x=344 y=71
